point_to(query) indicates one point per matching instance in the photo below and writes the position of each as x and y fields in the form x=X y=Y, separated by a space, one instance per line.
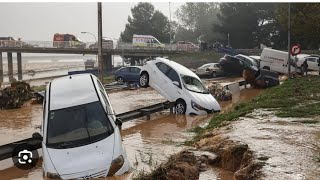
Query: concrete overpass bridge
x=123 y=49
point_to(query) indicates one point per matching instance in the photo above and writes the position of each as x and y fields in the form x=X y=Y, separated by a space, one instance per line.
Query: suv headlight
x=197 y=106
x=116 y=165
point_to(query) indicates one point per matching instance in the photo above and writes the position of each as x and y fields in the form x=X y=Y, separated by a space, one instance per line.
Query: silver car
x=210 y=69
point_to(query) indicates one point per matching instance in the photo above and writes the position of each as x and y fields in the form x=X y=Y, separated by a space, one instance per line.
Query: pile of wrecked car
x=15 y=96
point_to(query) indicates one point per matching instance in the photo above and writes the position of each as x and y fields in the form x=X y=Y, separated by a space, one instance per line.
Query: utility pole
x=170 y=24
x=100 y=42
x=289 y=26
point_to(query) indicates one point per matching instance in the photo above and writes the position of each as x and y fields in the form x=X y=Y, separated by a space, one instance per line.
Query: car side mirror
x=176 y=83
x=37 y=136
x=119 y=123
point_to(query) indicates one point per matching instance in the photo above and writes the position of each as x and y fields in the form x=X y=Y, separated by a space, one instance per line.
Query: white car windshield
x=76 y=126
x=193 y=84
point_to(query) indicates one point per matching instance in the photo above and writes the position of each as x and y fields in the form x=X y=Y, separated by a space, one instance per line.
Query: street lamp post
x=91 y=34
x=170 y=24
x=100 y=41
x=289 y=26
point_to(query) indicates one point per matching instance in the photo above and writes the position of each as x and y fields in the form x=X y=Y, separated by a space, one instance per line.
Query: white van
x=275 y=60
x=81 y=137
x=146 y=41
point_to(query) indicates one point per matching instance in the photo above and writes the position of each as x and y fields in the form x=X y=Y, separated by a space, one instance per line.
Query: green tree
x=147 y=21
x=267 y=28
x=183 y=34
x=305 y=23
x=196 y=22
x=240 y=21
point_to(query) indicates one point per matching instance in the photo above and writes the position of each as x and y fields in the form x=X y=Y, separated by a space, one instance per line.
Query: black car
x=235 y=65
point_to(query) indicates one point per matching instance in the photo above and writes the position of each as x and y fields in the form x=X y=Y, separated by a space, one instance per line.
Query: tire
x=213 y=74
x=120 y=80
x=144 y=80
x=180 y=107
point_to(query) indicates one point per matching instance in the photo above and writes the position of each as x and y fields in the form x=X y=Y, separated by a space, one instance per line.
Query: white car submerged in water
x=81 y=137
x=178 y=84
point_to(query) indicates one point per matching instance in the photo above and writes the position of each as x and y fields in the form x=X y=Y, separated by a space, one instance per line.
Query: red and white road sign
x=295 y=49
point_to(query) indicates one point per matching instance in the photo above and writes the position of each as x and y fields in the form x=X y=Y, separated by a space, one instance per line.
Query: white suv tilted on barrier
x=178 y=84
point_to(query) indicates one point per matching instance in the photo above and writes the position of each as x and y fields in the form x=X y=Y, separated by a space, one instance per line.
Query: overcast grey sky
x=39 y=21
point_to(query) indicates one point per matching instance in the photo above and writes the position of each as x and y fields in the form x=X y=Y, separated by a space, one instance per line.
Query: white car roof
x=178 y=67
x=248 y=57
x=209 y=64
x=255 y=57
x=72 y=91
x=142 y=36
x=131 y=66
x=301 y=56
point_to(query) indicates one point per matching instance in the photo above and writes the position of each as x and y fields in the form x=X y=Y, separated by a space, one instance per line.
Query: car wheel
x=180 y=107
x=120 y=80
x=144 y=80
x=214 y=74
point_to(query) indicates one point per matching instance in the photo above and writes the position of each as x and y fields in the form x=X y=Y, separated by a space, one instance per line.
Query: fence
x=13 y=43
x=118 y=45
x=80 y=45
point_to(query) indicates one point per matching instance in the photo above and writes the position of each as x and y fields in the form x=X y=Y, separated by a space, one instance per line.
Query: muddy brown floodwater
x=148 y=143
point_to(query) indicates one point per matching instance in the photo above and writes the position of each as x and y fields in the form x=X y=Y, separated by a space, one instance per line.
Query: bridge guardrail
x=13 y=43
x=85 y=45
x=116 y=45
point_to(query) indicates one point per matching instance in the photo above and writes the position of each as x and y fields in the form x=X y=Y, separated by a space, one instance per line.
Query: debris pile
x=219 y=92
x=184 y=165
x=262 y=78
x=15 y=95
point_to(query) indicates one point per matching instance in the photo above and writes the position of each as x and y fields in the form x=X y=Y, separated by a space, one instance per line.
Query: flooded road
x=148 y=143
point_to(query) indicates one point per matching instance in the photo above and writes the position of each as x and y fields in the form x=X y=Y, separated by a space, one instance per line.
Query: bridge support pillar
x=107 y=63
x=19 y=64
x=1 y=69
x=132 y=62
x=10 y=66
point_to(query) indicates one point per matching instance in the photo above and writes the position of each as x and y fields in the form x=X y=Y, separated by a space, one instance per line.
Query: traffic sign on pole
x=295 y=49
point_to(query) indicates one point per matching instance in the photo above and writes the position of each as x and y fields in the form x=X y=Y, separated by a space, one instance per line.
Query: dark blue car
x=129 y=74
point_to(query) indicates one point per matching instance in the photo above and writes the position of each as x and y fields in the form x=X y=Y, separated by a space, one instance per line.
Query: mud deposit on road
x=292 y=144
x=148 y=143
x=263 y=146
